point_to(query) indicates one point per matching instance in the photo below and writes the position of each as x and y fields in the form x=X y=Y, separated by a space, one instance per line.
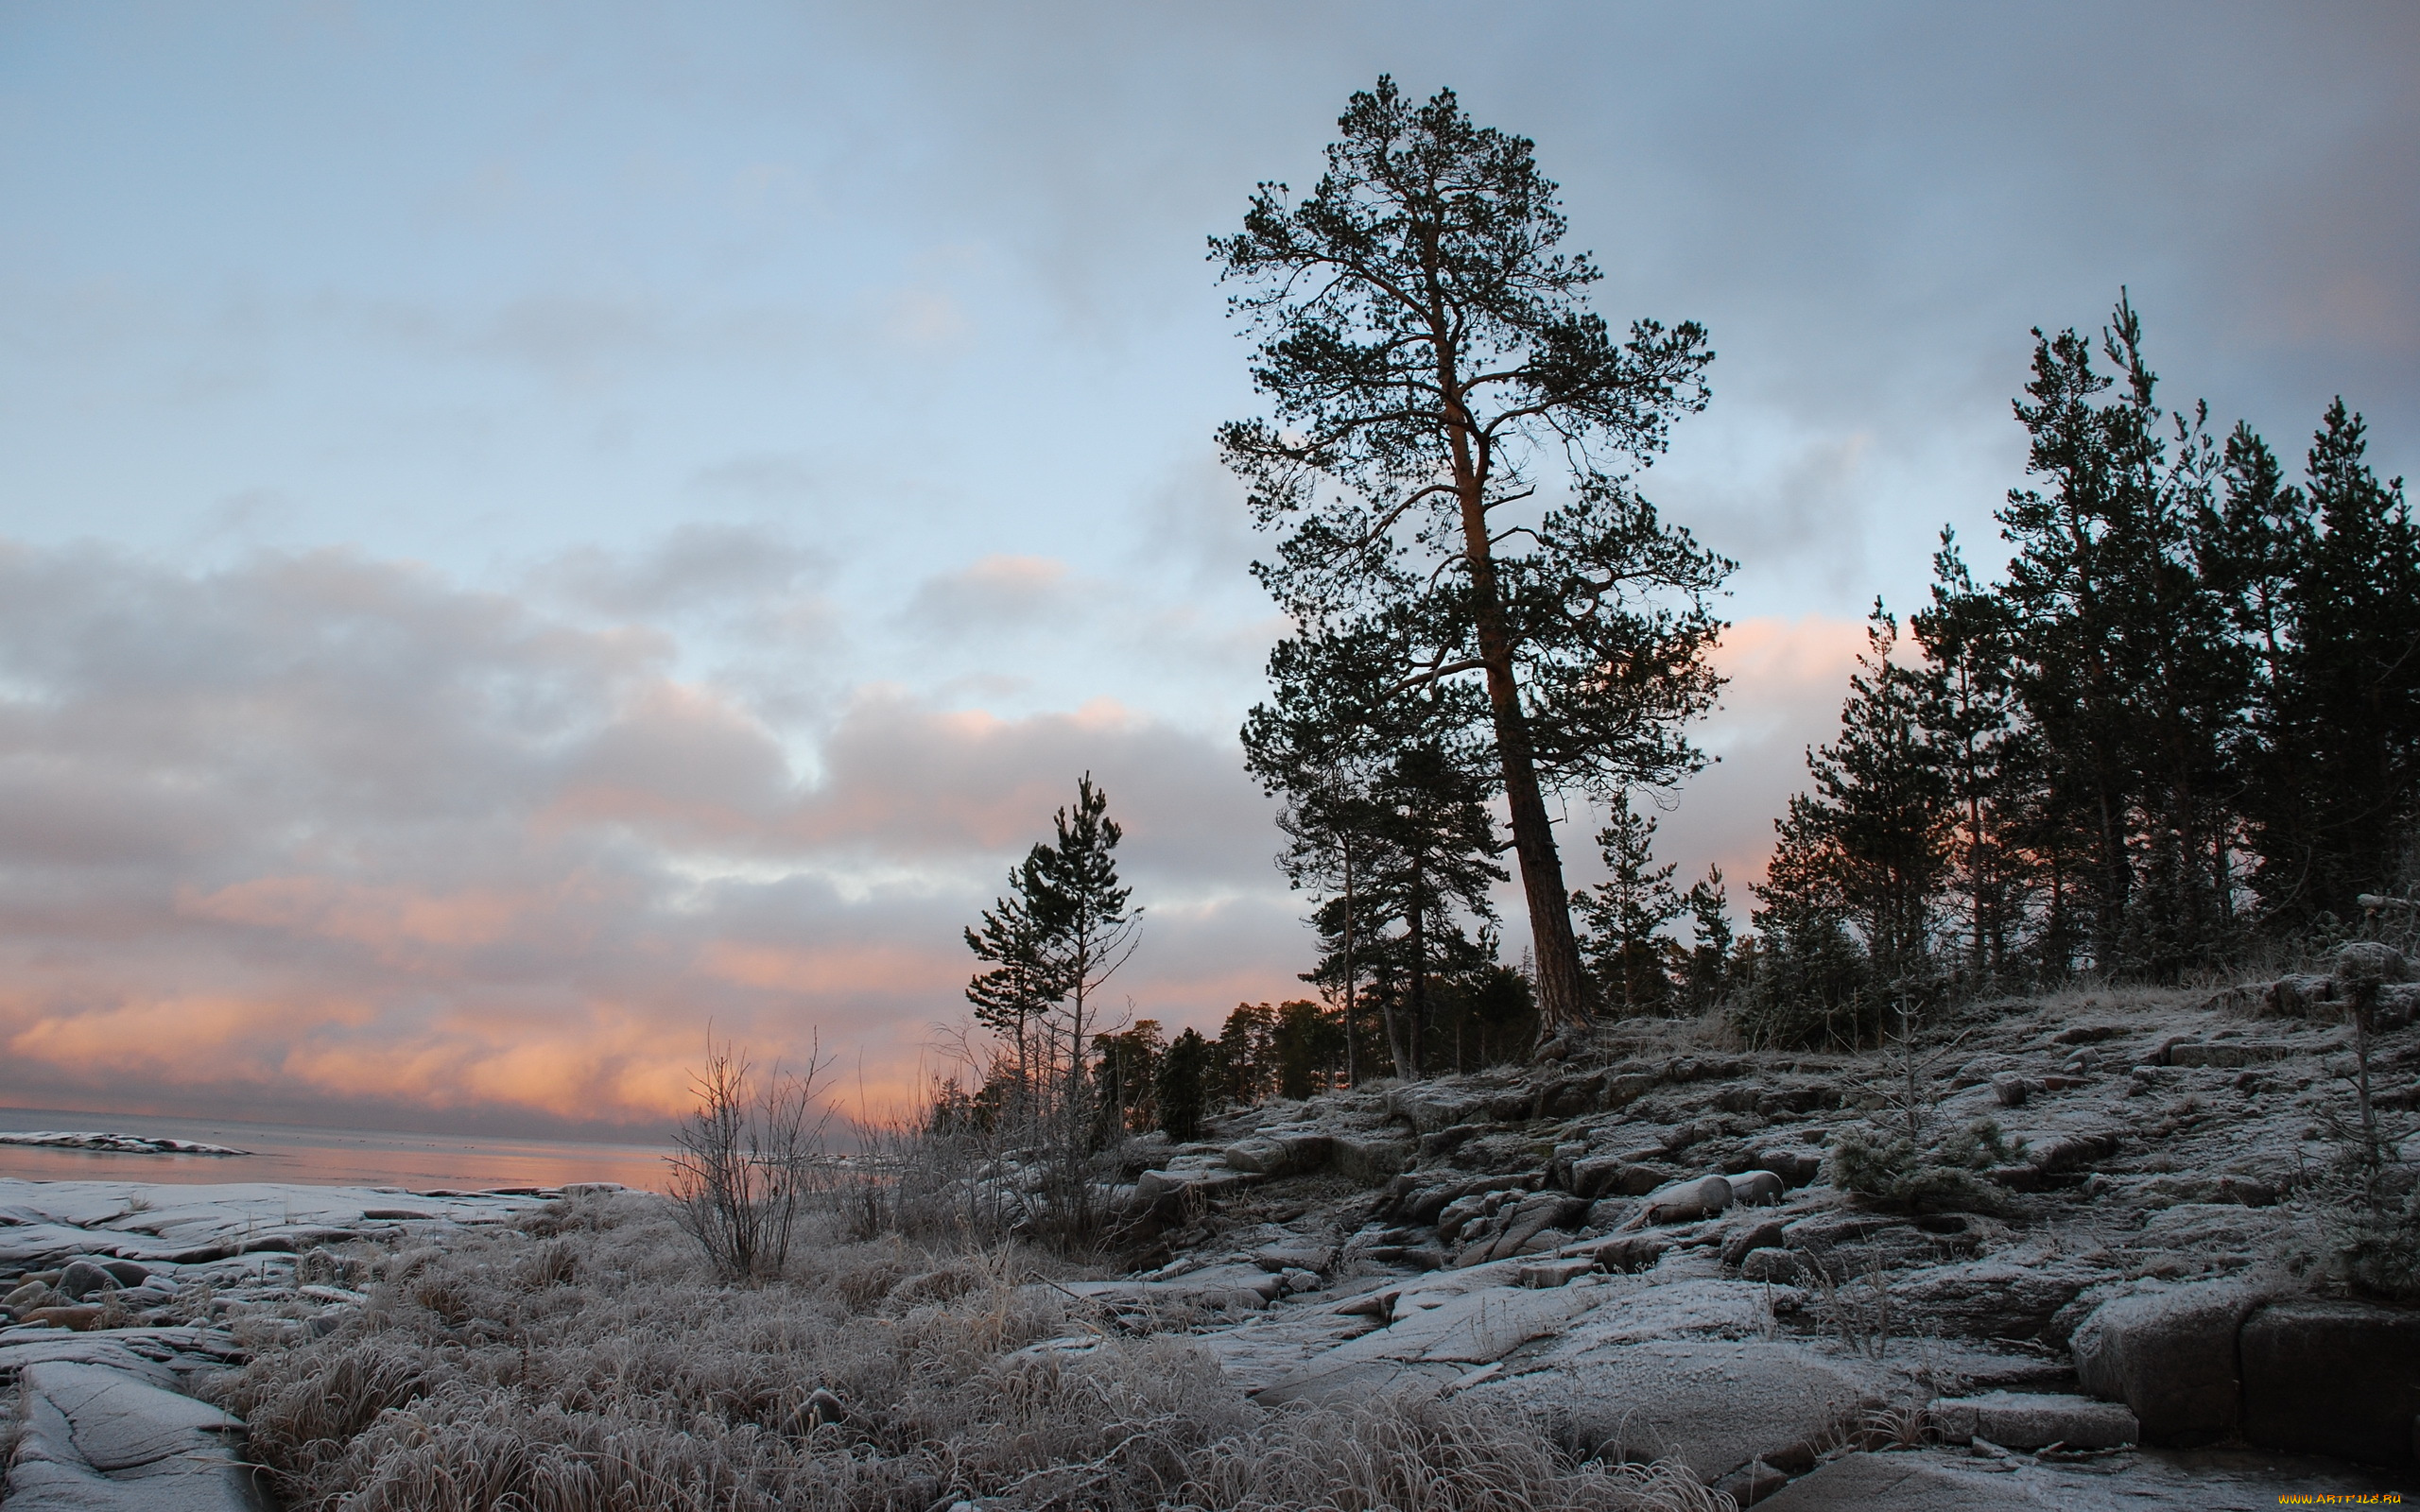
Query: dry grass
x=595 y=1366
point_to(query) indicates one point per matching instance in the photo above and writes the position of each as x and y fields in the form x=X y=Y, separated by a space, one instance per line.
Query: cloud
x=995 y=593
x=1787 y=680
x=322 y=835
x=695 y=565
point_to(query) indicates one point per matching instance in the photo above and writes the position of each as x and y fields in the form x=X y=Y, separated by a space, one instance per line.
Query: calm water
x=321 y=1157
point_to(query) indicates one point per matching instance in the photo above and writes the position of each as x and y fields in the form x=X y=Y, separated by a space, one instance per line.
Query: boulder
x=1462 y=1211
x=1422 y=1203
x=1628 y=1252
x=2169 y=1355
x=1567 y=1095
x=1609 y=1213
x=1278 y=1259
x=1538 y=1273
x=2332 y=1377
x=1625 y=1089
x=1274 y=1154
x=1687 y=1201
x=1428 y=1107
x=2300 y=996
x=2014 y=1419
x=1778 y=1266
x=1796 y=1167
x=1186 y=1181
x=1637 y=1179
x=1756 y=1189
x=1533 y=1215
x=1591 y=1176
x=1369 y=1159
x=1766 y=1235
x=83 y=1277
x=1445 y=1141
x=1993 y=1299
x=1437 y=1336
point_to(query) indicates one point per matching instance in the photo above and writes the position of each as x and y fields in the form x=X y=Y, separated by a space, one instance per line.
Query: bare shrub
x=750 y=1161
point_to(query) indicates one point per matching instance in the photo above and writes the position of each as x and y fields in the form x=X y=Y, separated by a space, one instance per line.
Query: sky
x=532 y=534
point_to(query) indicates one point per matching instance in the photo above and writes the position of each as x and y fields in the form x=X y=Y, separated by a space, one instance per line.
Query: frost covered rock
x=1995 y=1298
x=2170 y=1356
x=1428 y=1107
x=100 y=1439
x=1438 y=1334
x=1555 y=1272
x=2030 y=1420
x=1522 y=1222
x=1713 y=1403
x=1289 y=1153
x=1756 y=1188
x=1766 y=1235
x=82 y=1278
x=1369 y=1159
x=1601 y=1176
x=1685 y=1201
x=1902 y=1483
x=1795 y=1166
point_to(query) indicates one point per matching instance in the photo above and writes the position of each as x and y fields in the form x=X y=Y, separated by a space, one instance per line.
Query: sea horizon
x=313 y=1155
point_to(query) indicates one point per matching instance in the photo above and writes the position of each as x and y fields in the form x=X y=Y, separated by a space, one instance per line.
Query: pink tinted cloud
x=1786 y=681
x=329 y=838
x=363 y=845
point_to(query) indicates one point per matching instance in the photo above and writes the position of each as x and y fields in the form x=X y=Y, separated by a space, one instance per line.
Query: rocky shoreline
x=126 y=1297
x=1648 y=1255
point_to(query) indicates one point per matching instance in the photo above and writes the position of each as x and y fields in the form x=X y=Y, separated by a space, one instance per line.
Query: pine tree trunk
x=1350 y=1077
x=1407 y=1064
x=1563 y=994
x=1563 y=997
x=1419 y=1014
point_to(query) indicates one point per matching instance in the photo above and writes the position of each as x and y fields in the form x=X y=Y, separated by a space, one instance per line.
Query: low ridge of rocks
x=1650 y=1250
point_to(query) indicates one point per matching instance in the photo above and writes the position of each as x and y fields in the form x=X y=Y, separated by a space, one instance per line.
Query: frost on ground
x=584 y=1361
x=582 y=1356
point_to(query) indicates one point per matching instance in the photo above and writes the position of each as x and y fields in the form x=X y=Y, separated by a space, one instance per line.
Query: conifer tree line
x=2184 y=723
